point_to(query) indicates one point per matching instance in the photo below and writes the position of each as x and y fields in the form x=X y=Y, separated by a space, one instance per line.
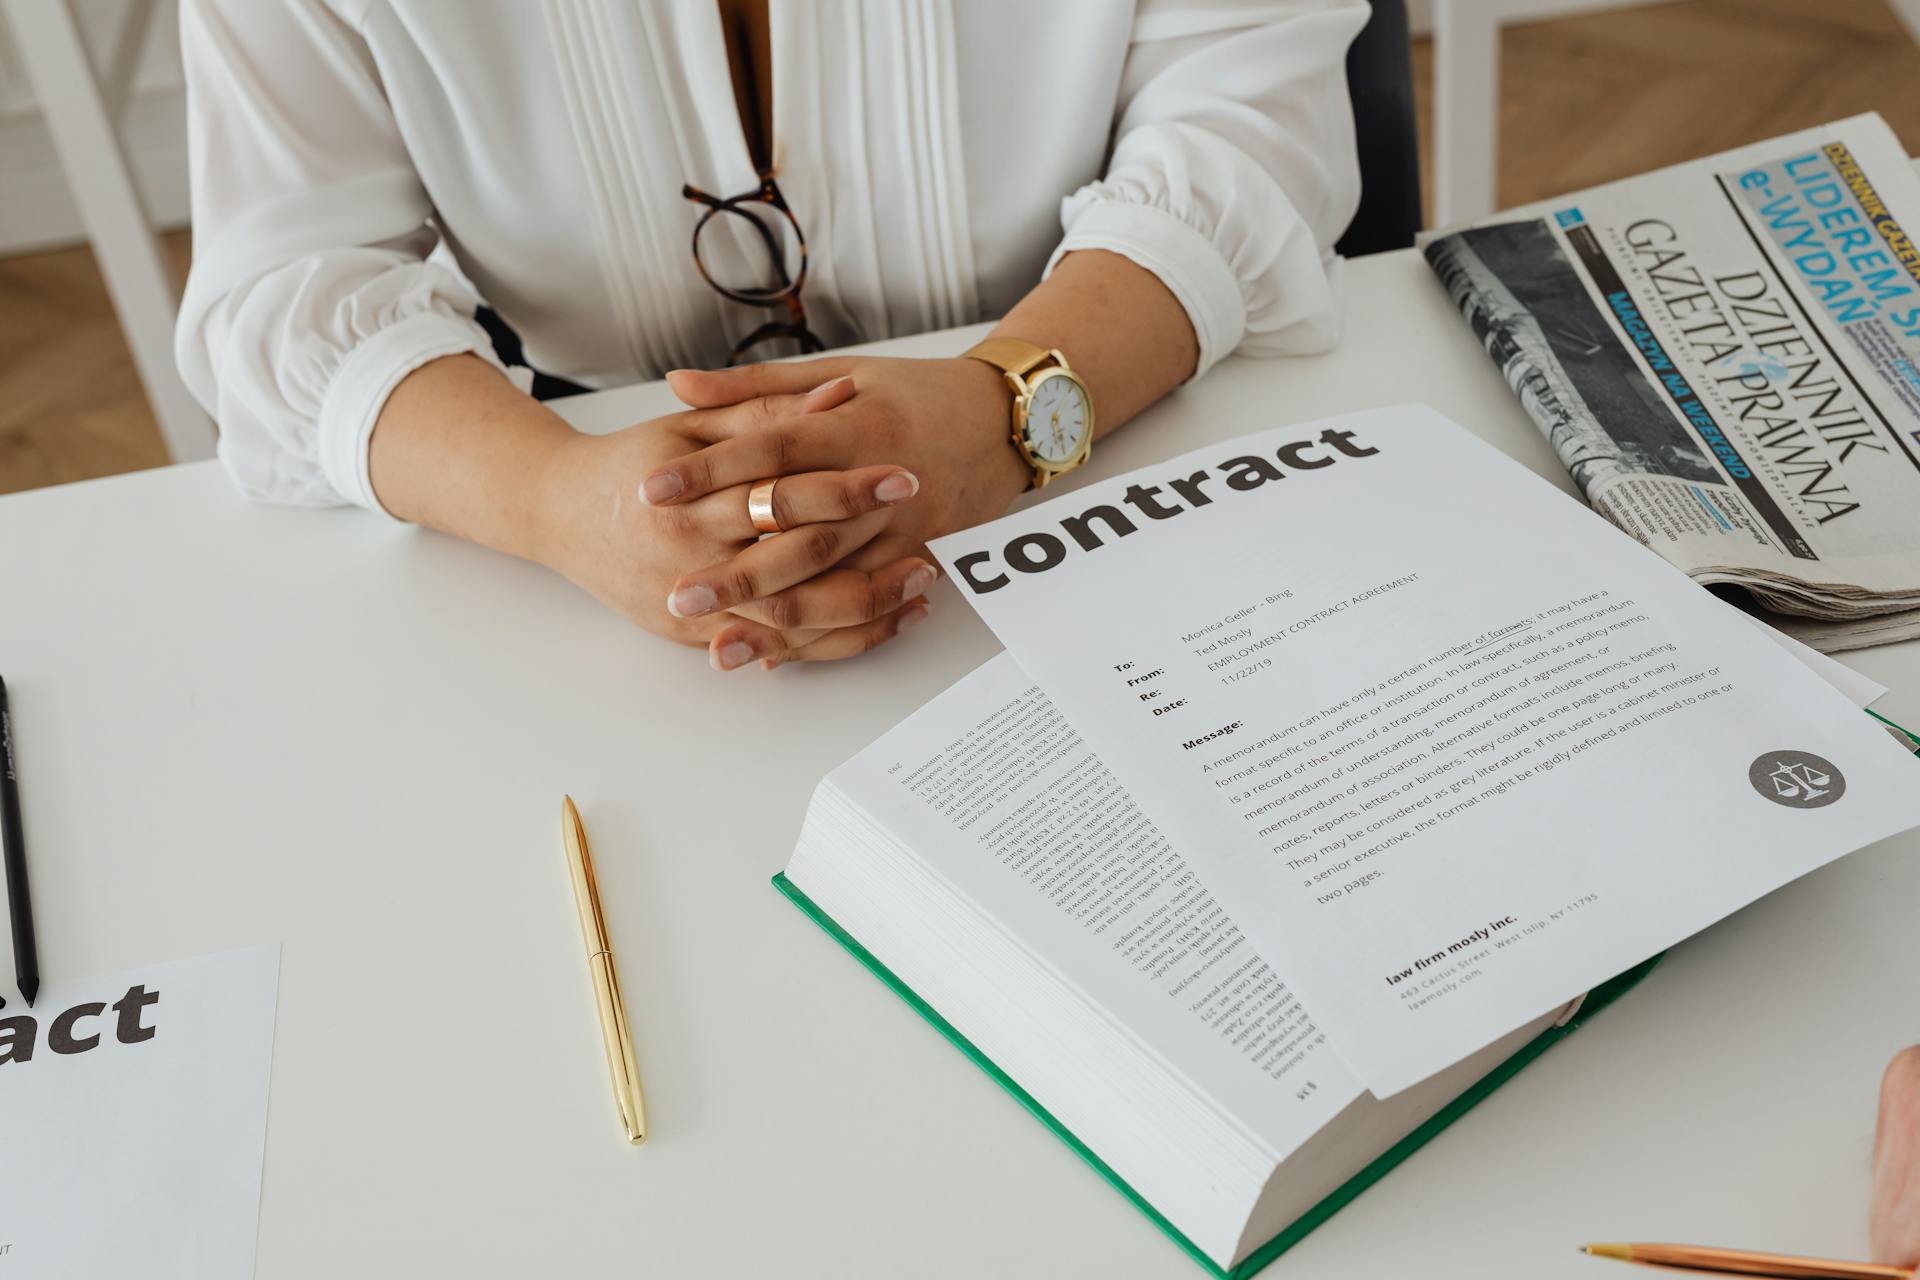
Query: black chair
x=1380 y=82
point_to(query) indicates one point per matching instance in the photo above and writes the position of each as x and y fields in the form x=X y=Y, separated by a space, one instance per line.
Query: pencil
x=1740 y=1262
x=13 y=846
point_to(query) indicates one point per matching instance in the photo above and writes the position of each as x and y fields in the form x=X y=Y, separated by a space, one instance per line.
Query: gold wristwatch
x=1052 y=412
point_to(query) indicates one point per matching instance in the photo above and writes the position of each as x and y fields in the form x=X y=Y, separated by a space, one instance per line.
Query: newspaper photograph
x=1726 y=357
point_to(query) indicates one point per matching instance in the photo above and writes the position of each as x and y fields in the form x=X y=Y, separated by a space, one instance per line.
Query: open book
x=1035 y=887
x=987 y=861
x=985 y=864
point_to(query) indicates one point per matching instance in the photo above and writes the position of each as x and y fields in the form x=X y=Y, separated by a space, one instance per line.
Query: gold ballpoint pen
x=606 y=979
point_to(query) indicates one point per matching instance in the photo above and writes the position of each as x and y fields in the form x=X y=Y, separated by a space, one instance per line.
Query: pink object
x=1893 y=1222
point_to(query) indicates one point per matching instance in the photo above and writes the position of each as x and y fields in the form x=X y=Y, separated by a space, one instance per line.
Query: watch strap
x=1010 y=355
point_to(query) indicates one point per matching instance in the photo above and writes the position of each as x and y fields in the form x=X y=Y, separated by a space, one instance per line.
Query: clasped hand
x=875 y=457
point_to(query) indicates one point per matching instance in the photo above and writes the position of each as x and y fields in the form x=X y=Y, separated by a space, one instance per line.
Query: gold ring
x=760 y=507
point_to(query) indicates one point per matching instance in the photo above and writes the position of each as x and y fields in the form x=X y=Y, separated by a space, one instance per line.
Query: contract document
x=134 y=1109
x=1448 y=747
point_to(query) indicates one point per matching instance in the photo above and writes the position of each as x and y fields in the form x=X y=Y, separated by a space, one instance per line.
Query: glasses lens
x=750 y=251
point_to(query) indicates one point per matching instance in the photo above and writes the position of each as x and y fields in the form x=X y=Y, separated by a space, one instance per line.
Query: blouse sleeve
x=1234 y=168
x=310 y=296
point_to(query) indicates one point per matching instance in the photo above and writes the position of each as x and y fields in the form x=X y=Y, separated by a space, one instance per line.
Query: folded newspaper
x=1726 y=356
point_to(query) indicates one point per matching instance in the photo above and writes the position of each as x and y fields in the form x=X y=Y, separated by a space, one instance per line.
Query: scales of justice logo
x=1797 y=779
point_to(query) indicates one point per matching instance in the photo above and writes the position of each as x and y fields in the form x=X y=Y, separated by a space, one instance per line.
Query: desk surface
x=242 y=724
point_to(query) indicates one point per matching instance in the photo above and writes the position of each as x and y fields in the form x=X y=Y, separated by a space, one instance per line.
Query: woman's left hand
x=947 y=421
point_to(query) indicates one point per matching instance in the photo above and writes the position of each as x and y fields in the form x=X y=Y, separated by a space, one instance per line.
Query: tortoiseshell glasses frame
x=784 y=291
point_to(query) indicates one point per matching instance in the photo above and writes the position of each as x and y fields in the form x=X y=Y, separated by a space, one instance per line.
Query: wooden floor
x=1583 y=100
x=71 y=406
x=1588 y=100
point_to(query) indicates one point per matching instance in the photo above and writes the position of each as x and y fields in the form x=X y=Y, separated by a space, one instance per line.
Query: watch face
x=1058 y=418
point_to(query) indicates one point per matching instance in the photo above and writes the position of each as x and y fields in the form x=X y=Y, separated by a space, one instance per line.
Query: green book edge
x=1906 y=733
x=1597 y=999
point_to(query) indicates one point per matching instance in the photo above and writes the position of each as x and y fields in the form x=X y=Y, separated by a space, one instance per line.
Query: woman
x=1136 y=190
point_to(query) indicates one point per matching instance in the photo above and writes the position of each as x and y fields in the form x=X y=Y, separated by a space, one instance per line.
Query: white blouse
x=932 y=150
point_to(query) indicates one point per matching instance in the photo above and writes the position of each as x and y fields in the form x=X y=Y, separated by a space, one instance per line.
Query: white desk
x=241 y=724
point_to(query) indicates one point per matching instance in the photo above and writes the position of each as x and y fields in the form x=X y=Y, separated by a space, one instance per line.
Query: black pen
x=13 y=842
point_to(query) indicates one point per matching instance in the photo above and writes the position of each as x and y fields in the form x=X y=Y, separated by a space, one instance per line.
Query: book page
x=1449 y=748
x=1861 y=690
x=993 y=789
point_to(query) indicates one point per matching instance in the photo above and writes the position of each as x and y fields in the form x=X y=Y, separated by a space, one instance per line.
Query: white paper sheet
x=133 y=1120
x=1449 y=747
x=1861 y=690
x=1138 y=946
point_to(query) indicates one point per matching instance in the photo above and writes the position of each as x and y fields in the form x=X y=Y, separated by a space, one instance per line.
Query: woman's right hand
x=678 y=570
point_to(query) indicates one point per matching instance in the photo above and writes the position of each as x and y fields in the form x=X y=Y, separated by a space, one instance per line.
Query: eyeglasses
x=759 y=210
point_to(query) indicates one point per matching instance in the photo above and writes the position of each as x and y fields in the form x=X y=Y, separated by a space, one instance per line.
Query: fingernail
x=691 y=602
x=664 y=487
x=919 y=580
x=768 y=664
x=912 y=618
x=735 y=653
x=820 y=391
x=897 y=487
